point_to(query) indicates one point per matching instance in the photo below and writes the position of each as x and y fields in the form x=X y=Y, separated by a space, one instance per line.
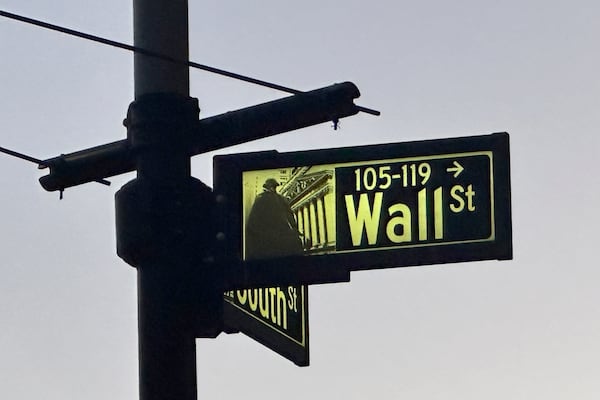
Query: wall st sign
x=403 y=204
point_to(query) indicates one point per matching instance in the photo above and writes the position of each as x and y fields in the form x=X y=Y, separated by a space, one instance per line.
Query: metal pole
x=163 y=217
x=161 y=26
x=167 y=349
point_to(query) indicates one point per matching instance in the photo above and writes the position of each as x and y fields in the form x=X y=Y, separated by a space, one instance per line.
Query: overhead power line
x=159 y=56
x=22 y=156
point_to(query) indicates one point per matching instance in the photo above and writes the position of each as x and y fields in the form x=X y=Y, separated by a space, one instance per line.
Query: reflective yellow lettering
x=460 y=202
x=364 y=218
x=242 y=296
x=438 y=214
x=281 y=309
x=263 y=302
x=470 y=194
x=253 y=299
x=422 y=211
x=293 y=300
x=272 y=294
x=458 y=193
x=403 y=220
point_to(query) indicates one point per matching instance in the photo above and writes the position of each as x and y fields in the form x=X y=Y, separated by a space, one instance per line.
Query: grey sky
x=521 y=329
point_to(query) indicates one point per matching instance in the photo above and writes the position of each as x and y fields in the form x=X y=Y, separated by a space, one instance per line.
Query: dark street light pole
x=163 y=217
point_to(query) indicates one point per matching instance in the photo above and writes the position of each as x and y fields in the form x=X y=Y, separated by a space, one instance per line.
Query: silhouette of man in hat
x=271 y=229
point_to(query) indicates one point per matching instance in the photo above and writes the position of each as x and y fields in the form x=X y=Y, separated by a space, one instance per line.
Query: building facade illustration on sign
x=308 y=196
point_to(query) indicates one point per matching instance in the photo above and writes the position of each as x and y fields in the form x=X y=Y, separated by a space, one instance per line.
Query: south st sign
x=369 y=207
x=277 y=317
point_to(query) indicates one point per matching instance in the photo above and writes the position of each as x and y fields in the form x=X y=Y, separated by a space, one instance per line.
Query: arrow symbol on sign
x=457 y=169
